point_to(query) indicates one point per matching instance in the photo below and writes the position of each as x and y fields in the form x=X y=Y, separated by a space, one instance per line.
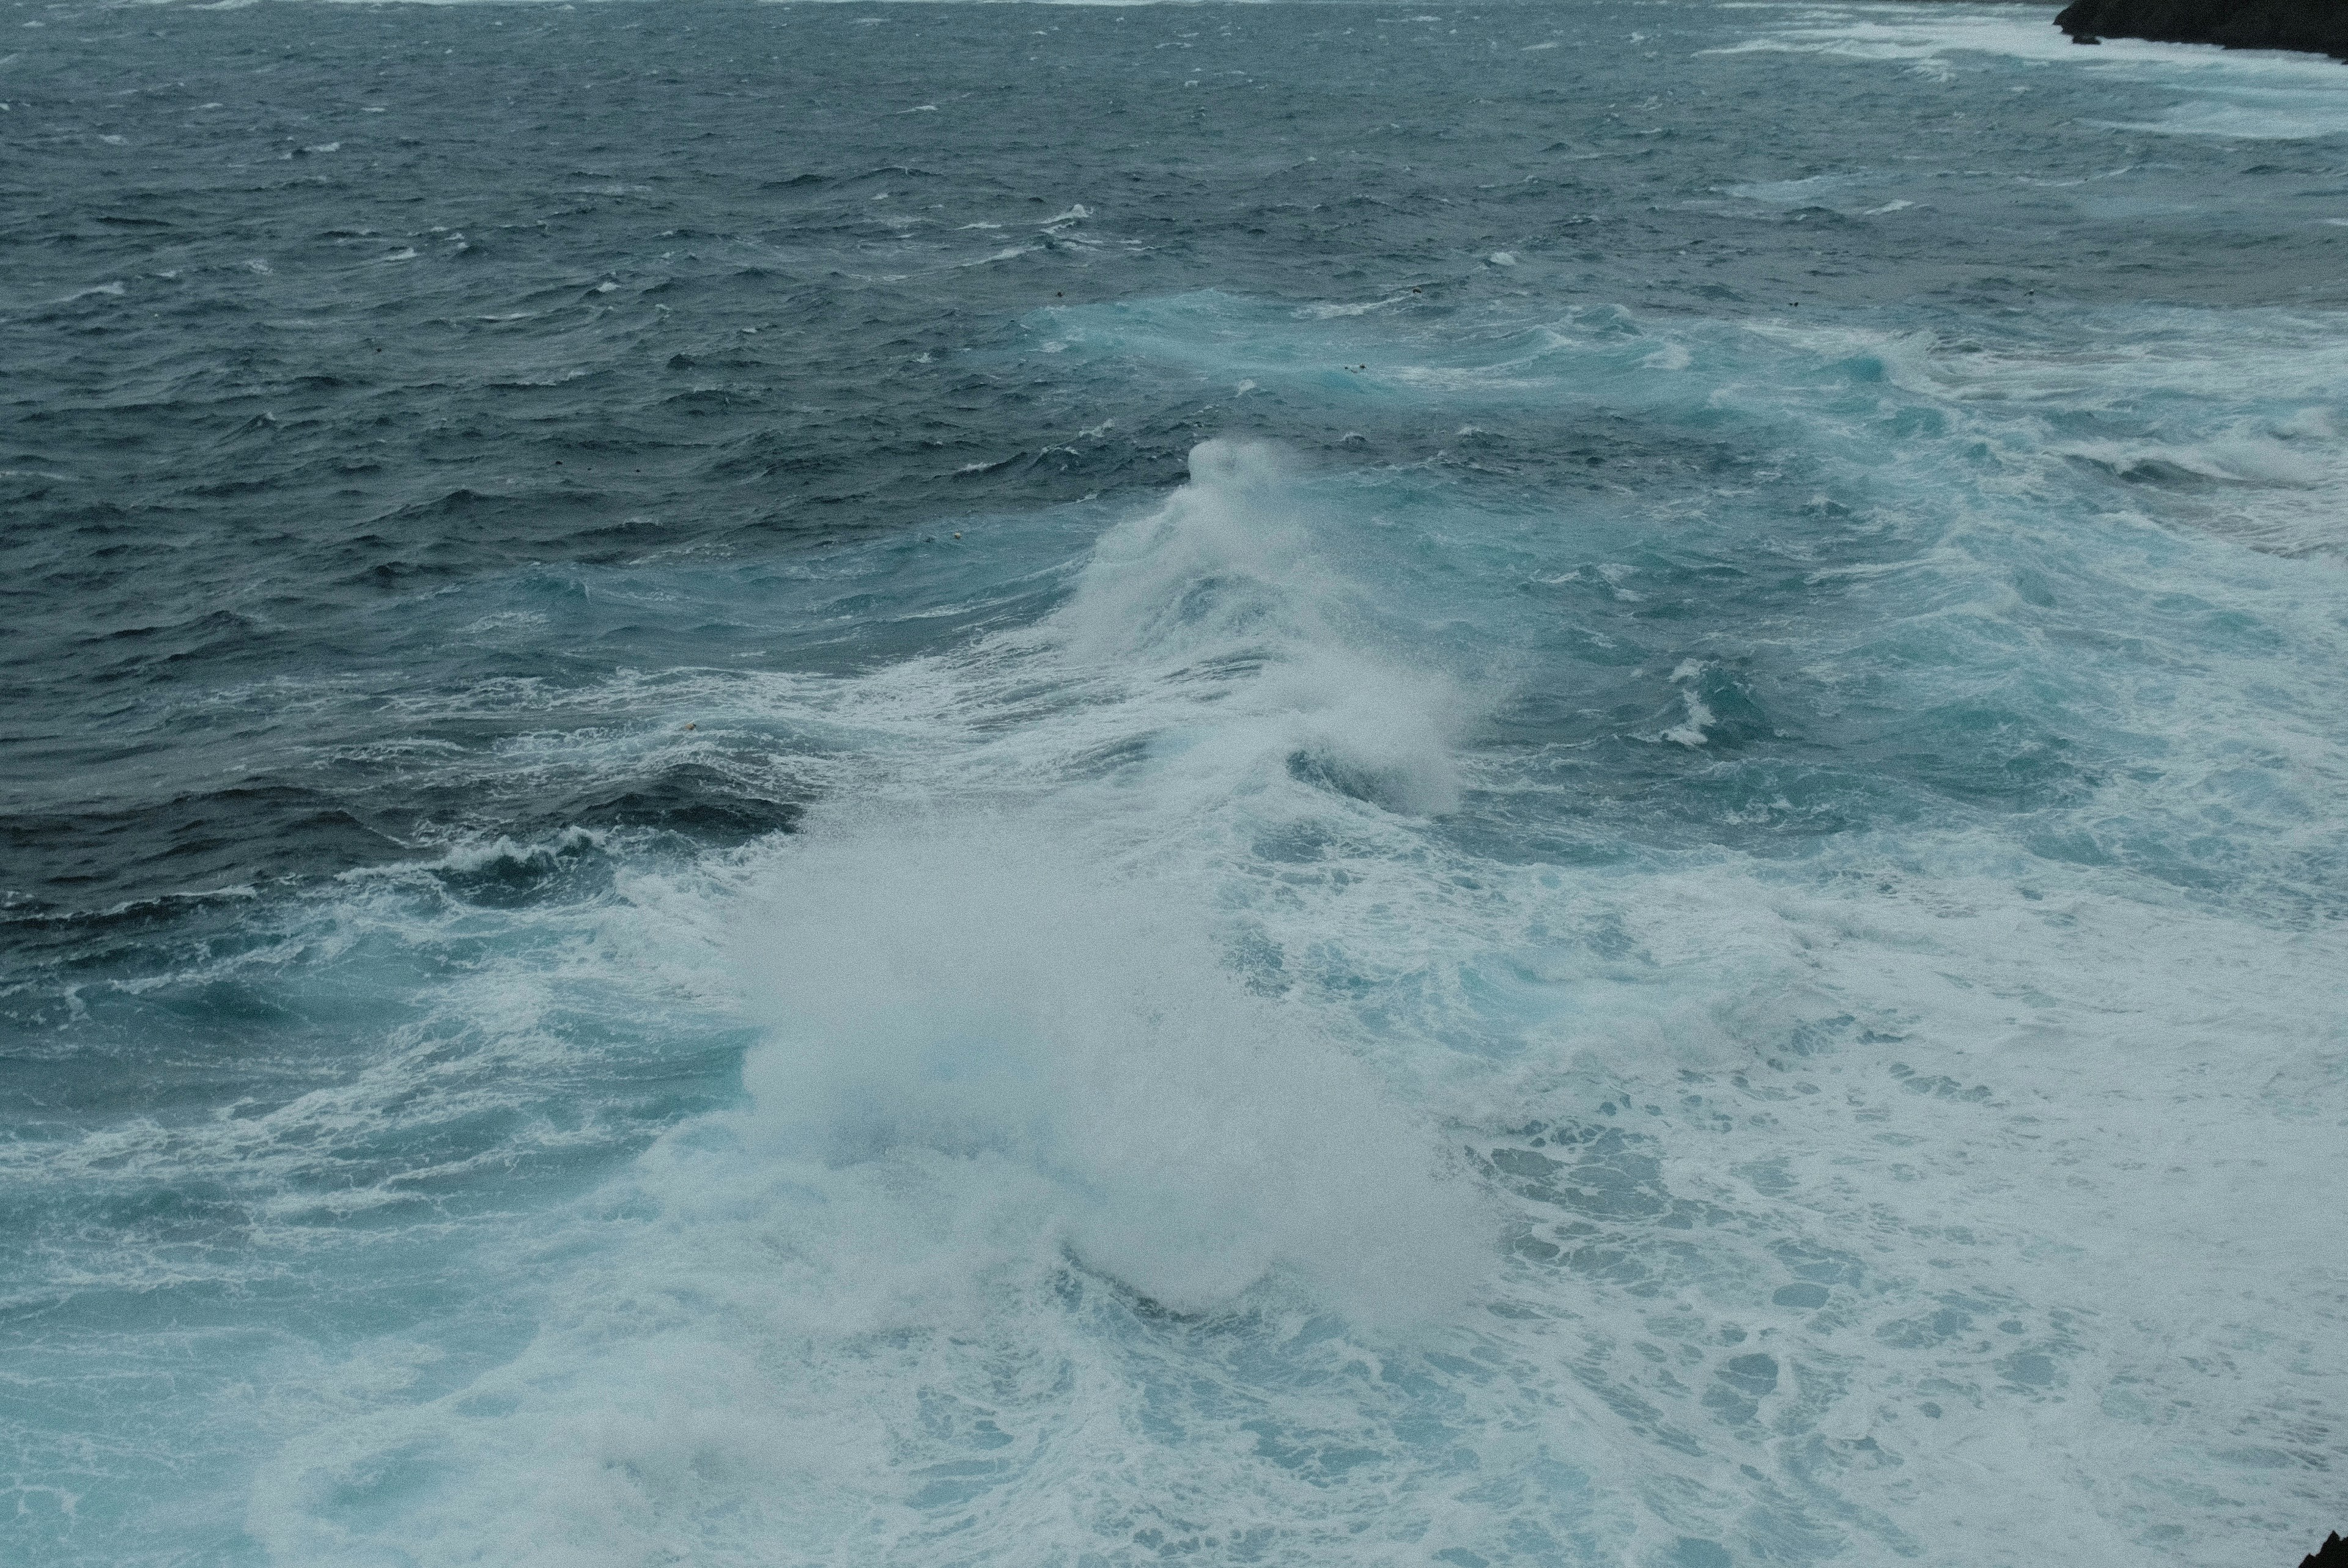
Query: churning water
x=1296 y=784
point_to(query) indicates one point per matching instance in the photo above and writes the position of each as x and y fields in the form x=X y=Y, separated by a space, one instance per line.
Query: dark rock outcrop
x=2318 y=27
x=2332 y=1553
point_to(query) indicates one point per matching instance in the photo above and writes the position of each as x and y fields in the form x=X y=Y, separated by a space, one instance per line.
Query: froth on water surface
x=982 y=1006
x=1293 y=784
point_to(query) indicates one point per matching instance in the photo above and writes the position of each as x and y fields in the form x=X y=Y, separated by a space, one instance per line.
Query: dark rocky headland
x=2318 y=27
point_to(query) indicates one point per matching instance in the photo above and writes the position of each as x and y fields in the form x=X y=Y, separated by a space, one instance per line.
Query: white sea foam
x=2254 y=114
x=1226 y=575
x=1004 y=1041
x=1175 y=1109
x=2246 y=94
x=2262 y=459
x=1360 y=1011
x=1796 y=192
x=968 y=994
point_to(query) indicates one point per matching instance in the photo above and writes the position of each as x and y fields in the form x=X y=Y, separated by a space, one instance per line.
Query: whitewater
x=1284 y=784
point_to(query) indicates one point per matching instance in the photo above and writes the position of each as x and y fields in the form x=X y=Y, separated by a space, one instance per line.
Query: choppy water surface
x=1290 y=785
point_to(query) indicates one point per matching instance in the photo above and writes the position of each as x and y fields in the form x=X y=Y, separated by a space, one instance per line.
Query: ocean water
x=1278 y=783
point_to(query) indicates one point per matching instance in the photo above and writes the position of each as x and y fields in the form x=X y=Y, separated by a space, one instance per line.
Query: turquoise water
x=1377 y=871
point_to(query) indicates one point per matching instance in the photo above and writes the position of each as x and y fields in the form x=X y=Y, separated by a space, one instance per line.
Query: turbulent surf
x=1290 y=784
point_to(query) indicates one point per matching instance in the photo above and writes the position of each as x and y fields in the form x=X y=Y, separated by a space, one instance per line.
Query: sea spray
x=1226 y=591
x=1040 y=831
x=969 y=999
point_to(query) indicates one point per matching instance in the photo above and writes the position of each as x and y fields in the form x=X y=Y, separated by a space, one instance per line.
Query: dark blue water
x=1295 y=784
